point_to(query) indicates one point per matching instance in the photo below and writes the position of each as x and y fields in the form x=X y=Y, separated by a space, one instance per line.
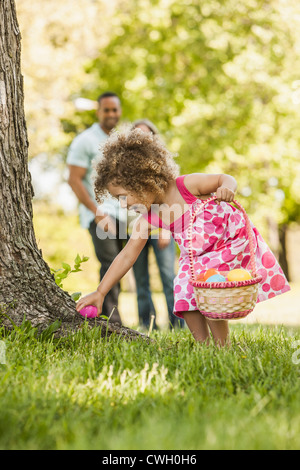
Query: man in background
x=102 y=221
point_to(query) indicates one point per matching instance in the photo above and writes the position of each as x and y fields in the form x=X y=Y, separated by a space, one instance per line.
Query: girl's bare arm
x=120 y=266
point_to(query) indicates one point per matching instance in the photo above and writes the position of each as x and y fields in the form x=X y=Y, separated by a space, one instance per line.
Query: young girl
x=137 y=169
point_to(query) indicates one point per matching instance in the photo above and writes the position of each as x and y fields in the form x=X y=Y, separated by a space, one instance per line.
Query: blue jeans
x=165 y=259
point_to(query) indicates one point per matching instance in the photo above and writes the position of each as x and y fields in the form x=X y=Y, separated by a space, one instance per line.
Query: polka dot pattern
x=220 y=241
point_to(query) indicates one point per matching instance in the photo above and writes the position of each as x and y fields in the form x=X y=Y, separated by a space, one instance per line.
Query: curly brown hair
x=136 y=160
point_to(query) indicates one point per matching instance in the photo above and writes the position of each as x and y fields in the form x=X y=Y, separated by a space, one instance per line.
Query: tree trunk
x=273 y=235
x=27 y=286
x=277 y=237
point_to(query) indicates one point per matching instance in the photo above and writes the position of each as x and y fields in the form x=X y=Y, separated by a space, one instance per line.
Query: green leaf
x=77 y=259
x=60 y=274
x=76 y=296
x=66 y=267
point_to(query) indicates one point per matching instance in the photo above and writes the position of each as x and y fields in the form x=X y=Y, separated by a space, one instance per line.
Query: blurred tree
x=219 y=78
x=58 y=38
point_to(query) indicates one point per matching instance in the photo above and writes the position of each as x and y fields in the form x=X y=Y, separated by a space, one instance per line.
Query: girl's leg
x=220 y=331
x=197 y=325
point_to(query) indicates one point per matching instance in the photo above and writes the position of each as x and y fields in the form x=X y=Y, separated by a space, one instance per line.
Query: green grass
x=85 y=392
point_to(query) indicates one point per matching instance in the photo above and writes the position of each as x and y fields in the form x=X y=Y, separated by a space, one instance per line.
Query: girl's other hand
x=95 y=298
x=224 y=194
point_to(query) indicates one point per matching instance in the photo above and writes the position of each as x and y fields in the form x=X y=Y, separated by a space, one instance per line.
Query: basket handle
x=248 y=229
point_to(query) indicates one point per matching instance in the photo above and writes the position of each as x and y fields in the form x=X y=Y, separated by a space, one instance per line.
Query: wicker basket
x=225 y=300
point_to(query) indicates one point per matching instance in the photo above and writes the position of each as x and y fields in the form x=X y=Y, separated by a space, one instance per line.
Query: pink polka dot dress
x=219 y=241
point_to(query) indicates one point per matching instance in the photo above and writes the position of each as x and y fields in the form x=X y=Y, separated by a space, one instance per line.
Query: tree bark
x=27 y=287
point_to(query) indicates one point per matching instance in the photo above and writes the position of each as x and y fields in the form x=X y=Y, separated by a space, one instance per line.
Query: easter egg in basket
x=236 y=275
x=216 y=278
x=209 y=273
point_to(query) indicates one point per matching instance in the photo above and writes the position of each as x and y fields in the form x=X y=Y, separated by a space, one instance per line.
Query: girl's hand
x=95 y=298
x=224 y=194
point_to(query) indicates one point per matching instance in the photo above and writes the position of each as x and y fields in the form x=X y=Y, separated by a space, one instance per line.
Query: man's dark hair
x=107 y=94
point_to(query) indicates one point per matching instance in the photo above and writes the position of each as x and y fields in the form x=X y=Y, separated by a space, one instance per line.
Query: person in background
x=104 y=222
x=164 y=249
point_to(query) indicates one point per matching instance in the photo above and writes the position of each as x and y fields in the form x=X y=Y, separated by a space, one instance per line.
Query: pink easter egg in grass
x=90 y=311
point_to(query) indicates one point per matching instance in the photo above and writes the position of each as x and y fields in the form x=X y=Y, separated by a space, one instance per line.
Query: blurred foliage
x=57 y=39
x=219 y=78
